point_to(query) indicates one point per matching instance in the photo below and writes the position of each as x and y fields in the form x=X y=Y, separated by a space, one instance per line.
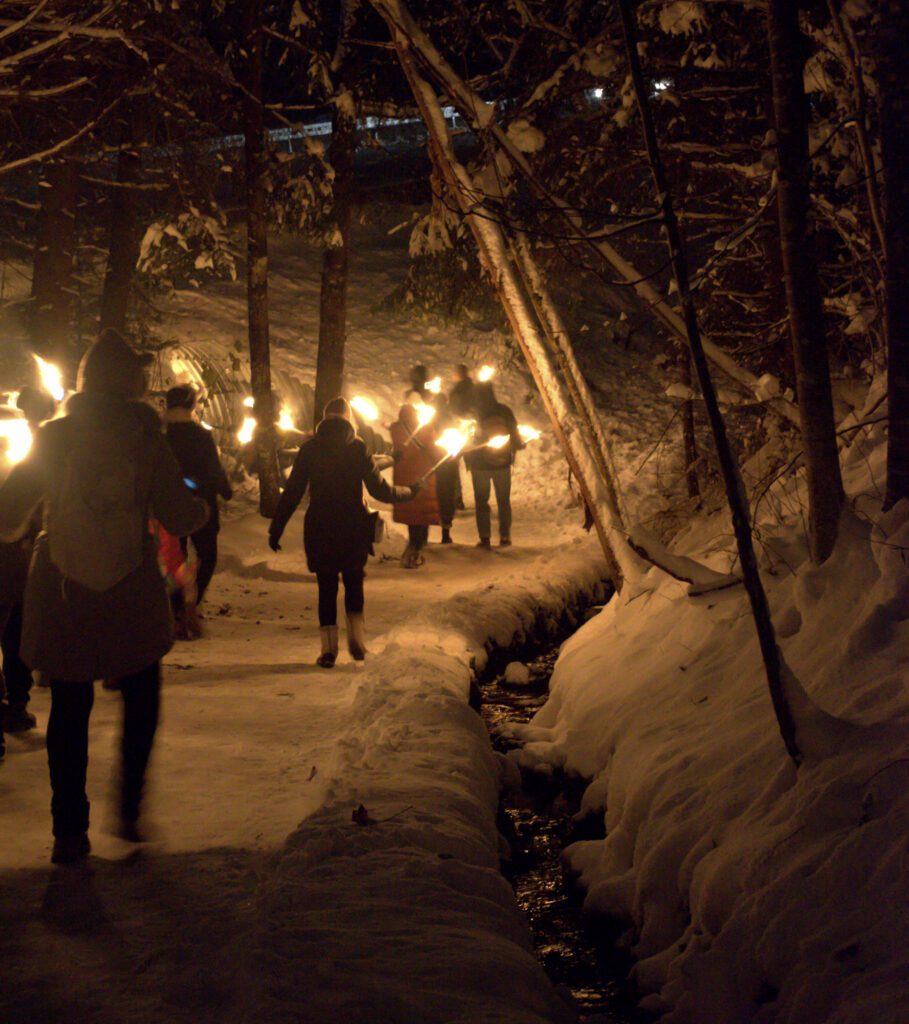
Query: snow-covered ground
x=262 y=898
x=752 y=891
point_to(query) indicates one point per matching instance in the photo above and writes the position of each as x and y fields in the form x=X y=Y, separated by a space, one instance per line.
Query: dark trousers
x=328 y=594
x=448 y=478
x=67 y=745
x=16 y=674
x=500 y=479
x=205 y=541
x=417 y=536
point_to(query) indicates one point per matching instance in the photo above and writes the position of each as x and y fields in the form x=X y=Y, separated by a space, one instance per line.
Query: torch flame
x=18 y=436
x=425 y=414
x=249 y=402
x=434 y=385
x=486 y=373
x=365 y=407
x=452 y=441
x=51 y=379
x=286 y=419
x=528 y=433
x=245 y=433
x=499 y=441
x=207 y=426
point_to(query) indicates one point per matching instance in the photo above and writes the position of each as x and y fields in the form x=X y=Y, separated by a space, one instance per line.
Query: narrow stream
x=537 y=821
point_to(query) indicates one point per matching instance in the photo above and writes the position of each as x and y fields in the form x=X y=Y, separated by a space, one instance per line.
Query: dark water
x=578 y=955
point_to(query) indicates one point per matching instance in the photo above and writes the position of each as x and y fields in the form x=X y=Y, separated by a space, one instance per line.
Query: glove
x=273 y=542
x=397 y=455
x=415 y=489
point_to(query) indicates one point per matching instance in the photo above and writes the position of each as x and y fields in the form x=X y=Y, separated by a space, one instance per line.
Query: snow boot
x=408 y=557
x=70 y=849
x=329 y=655
x=483 y=542
x=356 y=636
x=505 y=542
x=446 y=535
x=17 y=718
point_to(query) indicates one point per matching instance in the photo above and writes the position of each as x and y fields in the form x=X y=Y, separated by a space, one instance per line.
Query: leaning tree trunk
x=256 y=151
x=53 y=280
x=333 y=300
x=800 y=274
x=893 y=32
x=123 y=246
x=735 y=490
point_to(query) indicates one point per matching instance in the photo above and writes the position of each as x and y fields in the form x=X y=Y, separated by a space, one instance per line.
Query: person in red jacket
x=415 y=454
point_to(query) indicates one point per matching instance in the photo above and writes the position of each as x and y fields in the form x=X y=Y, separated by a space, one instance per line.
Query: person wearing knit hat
x=338 y=530
x=95 y=604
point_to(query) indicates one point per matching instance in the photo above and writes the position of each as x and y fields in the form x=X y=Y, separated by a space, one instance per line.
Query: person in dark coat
x=415 y=454
x=461 y=397
x=198 y=456
x=338 y=529
x=75 y=631
x=490 y=468
x=37 y=406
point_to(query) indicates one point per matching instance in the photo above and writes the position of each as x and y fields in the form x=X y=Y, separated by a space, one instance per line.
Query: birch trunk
x=893 y=31
x=333 y=299
x=493 y=253
x=257 y=264
x=800 y=274
x=735 y=491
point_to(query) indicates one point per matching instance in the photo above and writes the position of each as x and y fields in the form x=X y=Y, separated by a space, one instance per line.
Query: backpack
x=96 y=525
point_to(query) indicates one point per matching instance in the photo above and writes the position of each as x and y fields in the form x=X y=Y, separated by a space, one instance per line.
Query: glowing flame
x=528 y=433
x=286 y=419
x=486 y=373
x=499 y=441
x=245 y=433
x=452 y=441
x=207 y=426
x=249 y=402
x=51 y=379
x=18 y=436
x=434 y=385
x=425 y=414
x=365 y=407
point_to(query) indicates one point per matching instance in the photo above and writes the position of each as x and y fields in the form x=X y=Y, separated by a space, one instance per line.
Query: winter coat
x=337 y=529
x=198 y=456
x=461 y=398
x=494 y=419
x=416 y=454
x=71 y=632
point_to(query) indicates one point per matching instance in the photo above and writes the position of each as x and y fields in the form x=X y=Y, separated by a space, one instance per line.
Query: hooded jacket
x=335 y=466
x=416 y=453
x=71 y=632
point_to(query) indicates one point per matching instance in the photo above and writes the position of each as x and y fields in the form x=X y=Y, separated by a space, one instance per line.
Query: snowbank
x=752 y=891
x=391 y=895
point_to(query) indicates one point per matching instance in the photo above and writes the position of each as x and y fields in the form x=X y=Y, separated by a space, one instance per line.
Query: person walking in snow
x=490 y=468
x=95 y=603
x=197 y=454
x=461 y=397
x=338 y=529
x=415 y=454
x=16 y=677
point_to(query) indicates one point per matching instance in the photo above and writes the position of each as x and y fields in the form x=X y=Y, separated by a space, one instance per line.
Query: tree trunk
x=123 y=247
x=333 y=300
x=800 y=274
x=893 y=32
x=53 y=283
x=257 y=263
x=689 y=441
x=494 y=257
x=735 y=490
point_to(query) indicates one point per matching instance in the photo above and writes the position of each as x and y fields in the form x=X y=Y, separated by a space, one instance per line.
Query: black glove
x=397 y=455
x=273 y=541
x=415 y=489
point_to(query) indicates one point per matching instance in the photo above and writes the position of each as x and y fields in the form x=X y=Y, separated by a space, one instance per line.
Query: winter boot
x=70 y=849
x=17 y=718
x=356 y=636
x=329 y=655
x=505 y=542
x=483 y=542
x=446 y=535
x=407 y=557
